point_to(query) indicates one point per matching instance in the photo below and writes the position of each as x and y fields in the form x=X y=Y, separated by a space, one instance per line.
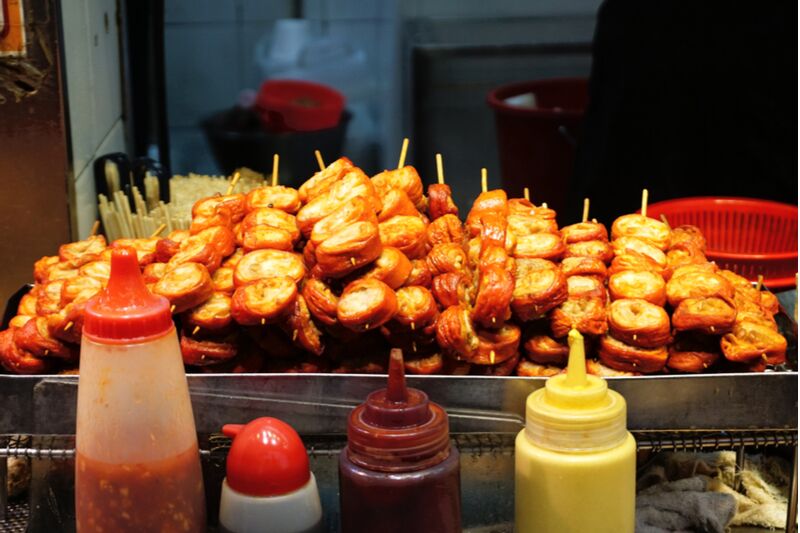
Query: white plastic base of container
x=296 y=512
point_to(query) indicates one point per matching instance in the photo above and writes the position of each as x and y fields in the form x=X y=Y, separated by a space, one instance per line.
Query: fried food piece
x=586 y=287
x=456 y=334
x=354 y=184
x=79 y=288
x=683 y=255
x=625 y=245
x=263 y=264
x=321 y=301
x=584 y=231
x=48 y=297
x=357 y=210
x=444 y=229
x=620 y=356
x=302 y=329
x=440 y=201
x=213 y=315
x=223 y=280
x=493 y=301
x=286 y=199
x=395 y=202
x=27 y=304
x=634 y=261
x=539 y=287
x=639 y=323
x=453 y=288
x=67 y=324
x=540 y=246
x=639 y=226
x=265 y=216
x=697 y=283
x=61 y=271
x=424 y=365
x=587 y=315
x=546 y=350
x=76 y=254
x=221 y=238
x=185 y=286
x=749 y=341
x=416 y=308
x=366 y=304
x=351 y=248
x=406 y=179
x=584 y=266
x=145 y=248
x=205 y=352
x=406 y=234
x=419 y=275
x=42 y=267
x=529 y=370
x=693 y=353
x=18 y=321
x=235 y=204
x=687 y=235
x=506 y=368
x=738 y=282
x=597 y=249
x=521 y=206
x=35 y=338
x=165 y=249
x=769 y=302
x=19 y=361
x=100 y=270
x=324 y=179
x=493 y=229
x=265 y=237
x=495 y=201
x=710 y=315
x=196 y=250
x=496 y=345
x=643 y=284
x=222 y=216
x=521 y=225
x=444 y=258
x=232 y=260
x=596 y=368
x=392 y=267
x=264 y=301
x=496 y=256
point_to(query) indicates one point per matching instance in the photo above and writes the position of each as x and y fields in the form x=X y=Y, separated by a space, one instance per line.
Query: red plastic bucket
x=537 y=144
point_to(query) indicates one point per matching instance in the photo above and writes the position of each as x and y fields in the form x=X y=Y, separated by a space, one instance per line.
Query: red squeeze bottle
x=137 y=465
x=399 y=472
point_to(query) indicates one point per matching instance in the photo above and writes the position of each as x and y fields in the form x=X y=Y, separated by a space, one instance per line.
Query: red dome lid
x=267 y=458
x=296 y=105
x=125 y=311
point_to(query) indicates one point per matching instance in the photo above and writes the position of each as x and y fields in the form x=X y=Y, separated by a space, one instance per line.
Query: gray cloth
x=683 y=506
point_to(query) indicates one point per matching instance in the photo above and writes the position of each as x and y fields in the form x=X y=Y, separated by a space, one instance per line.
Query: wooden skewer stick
x=294 y=335
x=402 y=161
x=195 y=330
x=275 y=159
x=760 y=282
x=320 y=162
x=585 y=210
x=491 y=357
x=172 y=308
x=263 y=321
x=544 y=205
x=439 y=169
x=68 y=326
x=95 y=228
x=234 y=181
x=526 y=193
x=413 y=326
x=665 y=221
x=644 y=202
x=484 y=180
x=161 y=228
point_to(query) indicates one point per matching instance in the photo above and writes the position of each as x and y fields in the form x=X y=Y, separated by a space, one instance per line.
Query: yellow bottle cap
x=576 y=411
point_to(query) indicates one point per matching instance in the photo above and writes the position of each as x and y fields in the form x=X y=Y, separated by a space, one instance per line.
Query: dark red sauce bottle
x=399 y=472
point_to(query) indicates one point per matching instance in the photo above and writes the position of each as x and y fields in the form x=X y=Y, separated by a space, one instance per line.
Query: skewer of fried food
x=402 y=161
x=644 y=202
x=585 y=217
x=234 y=181
x=526 y=193
x=320 y=162
x=439 y=169
x=484 y=180
x=275 y=160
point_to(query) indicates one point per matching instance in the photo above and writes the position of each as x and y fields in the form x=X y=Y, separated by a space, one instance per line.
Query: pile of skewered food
x=330 y=276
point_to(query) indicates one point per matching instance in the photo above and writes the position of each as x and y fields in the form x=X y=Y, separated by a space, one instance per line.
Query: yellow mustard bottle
x=575 y=459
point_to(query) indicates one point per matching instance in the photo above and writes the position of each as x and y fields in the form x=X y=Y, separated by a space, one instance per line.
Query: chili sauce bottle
x=575 y=459
x=137 y=465
x=399 y=472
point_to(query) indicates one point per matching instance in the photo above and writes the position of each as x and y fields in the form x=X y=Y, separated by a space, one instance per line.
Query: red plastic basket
x=745 y=235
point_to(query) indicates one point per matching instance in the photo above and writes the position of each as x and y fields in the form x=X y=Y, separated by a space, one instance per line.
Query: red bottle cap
x=398 y=429
x=267 y=458
x=126 y=311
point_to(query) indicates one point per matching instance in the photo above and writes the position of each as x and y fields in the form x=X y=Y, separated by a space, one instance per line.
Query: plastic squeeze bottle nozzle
x=399 y=471
x=137 y=465
x=575 y=459
x=269 y=486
